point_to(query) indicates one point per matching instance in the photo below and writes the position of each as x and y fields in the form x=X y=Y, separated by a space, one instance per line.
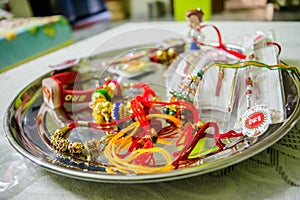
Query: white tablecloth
x=271 y=174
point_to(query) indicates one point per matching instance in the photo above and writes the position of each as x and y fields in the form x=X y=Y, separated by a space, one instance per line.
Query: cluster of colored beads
x=180 y=95
x=58 y=141
x=120 y=111
x=91 y=151
x=169 y=111
x=62 y=145
x=164 y=56
x=186 y=89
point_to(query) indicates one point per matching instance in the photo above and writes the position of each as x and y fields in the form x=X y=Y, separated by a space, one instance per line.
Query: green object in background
x=181 y=6
x=30 y=38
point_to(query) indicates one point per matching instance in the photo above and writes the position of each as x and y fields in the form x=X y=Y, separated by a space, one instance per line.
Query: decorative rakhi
x=141 y=128
x=146 y=135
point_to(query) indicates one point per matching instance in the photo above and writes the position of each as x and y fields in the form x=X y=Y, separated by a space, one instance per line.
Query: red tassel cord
x=200 y=134
x=220 y=42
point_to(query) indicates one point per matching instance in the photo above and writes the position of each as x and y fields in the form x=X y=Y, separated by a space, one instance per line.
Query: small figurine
x=194 y=18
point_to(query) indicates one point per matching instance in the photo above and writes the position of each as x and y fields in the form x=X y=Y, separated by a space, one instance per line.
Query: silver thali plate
x=23 y=134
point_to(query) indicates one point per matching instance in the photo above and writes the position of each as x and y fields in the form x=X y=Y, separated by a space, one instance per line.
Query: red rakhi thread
x=98 y=126
x=187 y=137
x=276 y=45
x=170 y=131
x=145 y=159
x=200 y=135
x=140 y=104
x=147 y=90
x=220 y=45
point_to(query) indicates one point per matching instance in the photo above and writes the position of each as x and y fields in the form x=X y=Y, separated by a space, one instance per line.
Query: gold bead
x=112 y=86
x=200 y=124
x=155 y=99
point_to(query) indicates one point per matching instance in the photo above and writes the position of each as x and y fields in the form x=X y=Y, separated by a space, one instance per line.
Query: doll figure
x=194 y=18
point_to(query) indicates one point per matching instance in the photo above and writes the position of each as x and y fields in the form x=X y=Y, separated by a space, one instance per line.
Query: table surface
x=271 y=174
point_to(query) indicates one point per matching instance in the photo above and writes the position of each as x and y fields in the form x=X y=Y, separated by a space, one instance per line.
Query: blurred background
x=100 y=15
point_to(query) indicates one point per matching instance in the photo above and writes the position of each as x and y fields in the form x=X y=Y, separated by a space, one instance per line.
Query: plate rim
x=285 y=127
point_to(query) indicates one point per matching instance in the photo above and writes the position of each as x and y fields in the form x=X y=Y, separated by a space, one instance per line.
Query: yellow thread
x=295 y=70
x=119 y=143
x=162 y=141
x=257 y=64
x=175 y=120
x=122 y=132
x=124 y=163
